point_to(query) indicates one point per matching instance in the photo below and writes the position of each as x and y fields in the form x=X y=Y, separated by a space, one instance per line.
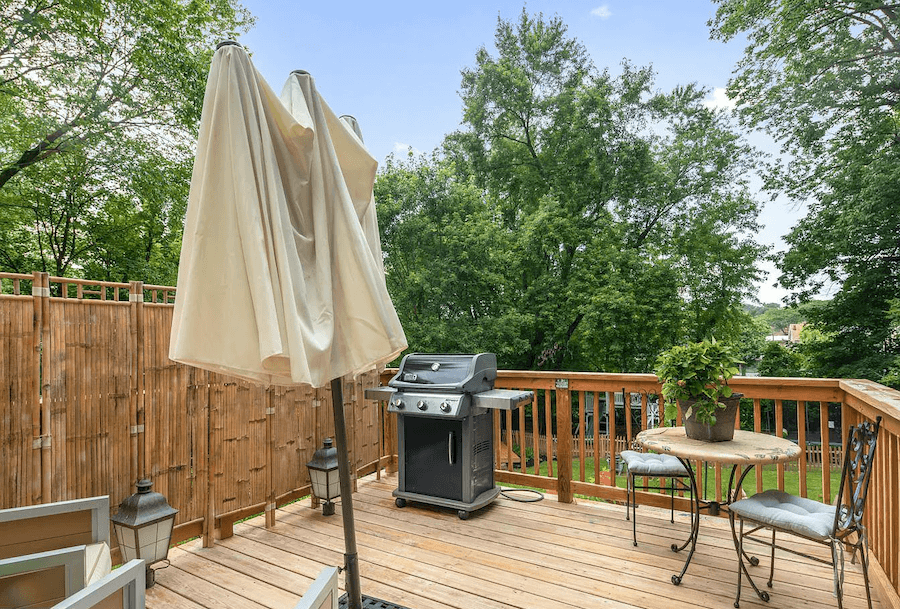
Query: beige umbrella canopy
x=279 y=282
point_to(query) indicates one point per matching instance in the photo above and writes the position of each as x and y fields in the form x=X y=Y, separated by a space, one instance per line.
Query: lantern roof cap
x=143 y=507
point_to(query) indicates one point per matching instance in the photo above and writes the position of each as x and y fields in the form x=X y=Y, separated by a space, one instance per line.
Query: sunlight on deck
x=508 y=555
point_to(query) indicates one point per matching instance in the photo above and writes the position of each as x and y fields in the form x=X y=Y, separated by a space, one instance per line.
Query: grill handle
x=450 y=446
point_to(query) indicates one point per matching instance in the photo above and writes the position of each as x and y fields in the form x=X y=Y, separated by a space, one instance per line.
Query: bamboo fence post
x=270 y=458
x=45 y=364
x=209 y=519
x=41 y=457
x=136 y=298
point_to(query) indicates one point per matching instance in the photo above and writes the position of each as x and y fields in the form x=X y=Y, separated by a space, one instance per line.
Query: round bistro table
x=747 y=450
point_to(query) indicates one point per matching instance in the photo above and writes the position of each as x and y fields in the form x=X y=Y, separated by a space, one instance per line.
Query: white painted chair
x=54 y=538
x=54 y=526
x=57 y=579
x=323 y=593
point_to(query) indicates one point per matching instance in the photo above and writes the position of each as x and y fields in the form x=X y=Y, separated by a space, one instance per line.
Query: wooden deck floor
x=508 y=555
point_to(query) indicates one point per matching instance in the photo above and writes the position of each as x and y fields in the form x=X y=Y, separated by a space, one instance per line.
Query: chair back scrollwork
x=859 y=455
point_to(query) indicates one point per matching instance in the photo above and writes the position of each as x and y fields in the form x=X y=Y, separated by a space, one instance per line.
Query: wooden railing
x=580 y=463
x=560 y=461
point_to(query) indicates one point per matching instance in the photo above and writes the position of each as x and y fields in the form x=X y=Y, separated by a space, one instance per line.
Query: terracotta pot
x=723 y=430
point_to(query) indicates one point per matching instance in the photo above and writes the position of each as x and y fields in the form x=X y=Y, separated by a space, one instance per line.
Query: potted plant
x=695 y=376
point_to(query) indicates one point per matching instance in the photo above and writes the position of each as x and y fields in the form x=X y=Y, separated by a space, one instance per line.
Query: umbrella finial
x=301 y=72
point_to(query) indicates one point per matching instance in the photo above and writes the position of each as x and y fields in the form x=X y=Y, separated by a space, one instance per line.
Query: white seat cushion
x=650 y=464
x=776 y=508
x=97 y=562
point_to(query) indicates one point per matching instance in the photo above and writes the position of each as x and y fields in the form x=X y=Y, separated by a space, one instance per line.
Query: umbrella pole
x=351 y=559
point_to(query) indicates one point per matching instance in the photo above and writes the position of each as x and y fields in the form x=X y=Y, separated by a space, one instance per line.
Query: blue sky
x=396 y=66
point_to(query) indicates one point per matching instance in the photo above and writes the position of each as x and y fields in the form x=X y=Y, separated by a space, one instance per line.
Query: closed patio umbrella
x=278 y=281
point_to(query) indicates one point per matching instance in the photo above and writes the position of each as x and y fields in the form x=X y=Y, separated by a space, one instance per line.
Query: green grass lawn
x=770 y=478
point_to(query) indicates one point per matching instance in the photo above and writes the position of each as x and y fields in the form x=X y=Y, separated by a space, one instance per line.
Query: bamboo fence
x=90 y=402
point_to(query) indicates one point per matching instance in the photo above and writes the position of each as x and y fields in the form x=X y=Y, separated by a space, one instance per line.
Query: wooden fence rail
x=90 y=402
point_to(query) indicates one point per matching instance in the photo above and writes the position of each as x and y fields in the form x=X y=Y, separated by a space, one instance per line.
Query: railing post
x=564 y=441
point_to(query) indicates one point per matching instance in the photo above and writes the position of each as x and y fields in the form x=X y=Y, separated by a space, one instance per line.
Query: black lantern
x=143 y=527
x=323 y=476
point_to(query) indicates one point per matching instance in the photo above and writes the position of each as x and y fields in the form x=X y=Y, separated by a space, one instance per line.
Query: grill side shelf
x=502 y=399
x=380 y=393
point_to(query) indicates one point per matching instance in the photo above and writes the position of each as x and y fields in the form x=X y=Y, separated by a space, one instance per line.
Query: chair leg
x=633 y=509
x=838 y=567
x=672 y=494
x=863 y=546
x=738 y=537
x=739 y=548
x=772 y=562
x=628 y=497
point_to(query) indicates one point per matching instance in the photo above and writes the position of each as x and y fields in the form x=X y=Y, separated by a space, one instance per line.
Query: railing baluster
x=826 y=451
x=801 y=440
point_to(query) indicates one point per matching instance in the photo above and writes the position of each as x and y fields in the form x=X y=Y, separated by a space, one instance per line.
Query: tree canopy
x=821 y=77
x=100 y=102
x=615 y=219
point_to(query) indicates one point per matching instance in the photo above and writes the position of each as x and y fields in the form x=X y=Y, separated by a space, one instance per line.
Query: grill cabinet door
x=433 y=457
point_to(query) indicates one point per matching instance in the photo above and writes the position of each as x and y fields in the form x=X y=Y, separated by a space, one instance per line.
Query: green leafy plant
x=697 y=372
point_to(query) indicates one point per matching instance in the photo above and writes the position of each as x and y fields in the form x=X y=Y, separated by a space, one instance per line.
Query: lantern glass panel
x=127 y=542
x=319 y=481
x=165 y=534
x=147 y=537
x=334 y=485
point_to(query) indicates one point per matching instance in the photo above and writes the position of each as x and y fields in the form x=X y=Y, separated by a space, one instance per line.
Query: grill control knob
x=445 y=406
x=421 y=405
x=398 y=404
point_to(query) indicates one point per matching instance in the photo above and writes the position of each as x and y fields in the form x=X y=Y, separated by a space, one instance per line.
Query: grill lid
x=446 y=372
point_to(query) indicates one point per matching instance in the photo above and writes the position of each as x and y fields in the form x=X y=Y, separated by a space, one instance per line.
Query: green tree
x=97 y=96
x=781 y=360
x=606 y=186
x=446 y=261
x=821 y=77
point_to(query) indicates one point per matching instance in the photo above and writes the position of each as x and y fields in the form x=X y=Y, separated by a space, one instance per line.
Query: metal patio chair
x=653 y=466
x=830 y=525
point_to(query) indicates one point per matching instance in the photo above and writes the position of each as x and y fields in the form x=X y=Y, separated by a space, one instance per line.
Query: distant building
x=792 y=335
x=794 y=332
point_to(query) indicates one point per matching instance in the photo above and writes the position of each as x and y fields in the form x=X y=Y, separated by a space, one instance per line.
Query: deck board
x=507 y=555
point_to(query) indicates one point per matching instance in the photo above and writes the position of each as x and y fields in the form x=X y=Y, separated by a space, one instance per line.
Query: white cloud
x=602 y=11
x=401 y=149
x=719 y=100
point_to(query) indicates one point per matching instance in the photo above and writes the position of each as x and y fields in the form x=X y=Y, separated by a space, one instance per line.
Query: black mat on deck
x=370 y=603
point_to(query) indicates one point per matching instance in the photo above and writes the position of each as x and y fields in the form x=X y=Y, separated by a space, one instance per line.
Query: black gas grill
x=445 y=432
